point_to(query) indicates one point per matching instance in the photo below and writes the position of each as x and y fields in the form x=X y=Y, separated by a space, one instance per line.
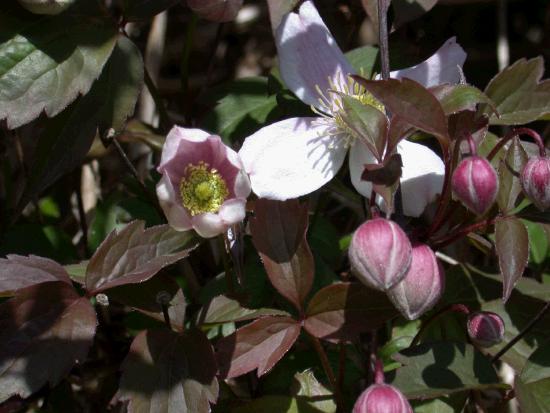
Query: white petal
x=208 y=225
x=359 y=156
x=291 y=158
x=309 y=55
x=422 y=178
x=444 y=66
x=176 y=215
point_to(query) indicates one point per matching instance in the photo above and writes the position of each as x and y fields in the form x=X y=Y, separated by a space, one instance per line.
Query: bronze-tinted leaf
x=135 y=254
x=18 y=272
x=258 y=345
x=44 y=330
x=340 y=312
x=412 y=102
x=222 y=309
x=518 y=93
x=278 y=232
x=457 y=98
x=512 y=245
x=508 y=176
x=169 y=372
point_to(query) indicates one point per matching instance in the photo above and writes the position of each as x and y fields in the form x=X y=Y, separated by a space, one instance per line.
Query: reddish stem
x=516 y=132
x=472 y=145
x=449 y=239
x=378 y=372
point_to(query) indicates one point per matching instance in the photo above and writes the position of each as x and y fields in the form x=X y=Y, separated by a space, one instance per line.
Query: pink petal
x=176 y=214
x=233 y=211
x=174 y=138
x=208 y=225
x=309 y=55
x=291 y=158
x=444 y=66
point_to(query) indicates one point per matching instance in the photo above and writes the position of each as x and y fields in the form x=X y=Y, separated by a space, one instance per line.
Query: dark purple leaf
x=512 y=245
x=399 y=129
x=222 y=309
x=18 y=272
x=134 y=254
x=518 y=93
x=409 y=10
x=44 y=330
x=412 y=102
x=508 y=176
x=258 y=345
x=169 y=372
x=148 y=296
x=340 y=312
x=278 y=231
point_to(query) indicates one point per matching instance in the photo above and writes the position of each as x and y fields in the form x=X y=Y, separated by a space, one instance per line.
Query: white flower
x=296 y=156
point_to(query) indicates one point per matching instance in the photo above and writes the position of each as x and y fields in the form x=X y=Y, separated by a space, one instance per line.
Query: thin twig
x=383 y=38
x=523 y=332
x=329 y=372
x=449 y=239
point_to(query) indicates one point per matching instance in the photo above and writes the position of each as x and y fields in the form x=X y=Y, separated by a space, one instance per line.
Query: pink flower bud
x=382 y=398
x=475 y=183
x=380 y=253
x=216 y=10
x=422 y=286
x=485 y=328
x=535 y=180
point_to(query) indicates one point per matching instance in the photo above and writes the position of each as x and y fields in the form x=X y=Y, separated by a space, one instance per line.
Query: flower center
x=332 y=108
x=203 y=189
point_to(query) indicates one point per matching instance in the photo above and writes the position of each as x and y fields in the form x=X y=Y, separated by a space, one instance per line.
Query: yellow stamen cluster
x=332 y=108
x=203 y=189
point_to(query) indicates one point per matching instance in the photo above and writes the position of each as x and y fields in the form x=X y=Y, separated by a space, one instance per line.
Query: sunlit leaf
x=533 y=384
x=222 y=309
x=508 y=176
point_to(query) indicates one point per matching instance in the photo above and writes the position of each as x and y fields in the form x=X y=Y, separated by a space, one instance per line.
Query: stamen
x=202 y=189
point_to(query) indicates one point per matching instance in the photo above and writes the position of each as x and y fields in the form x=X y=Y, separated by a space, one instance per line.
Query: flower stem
x=383 y=38
x=449 y=239
x=523 y=332
x=516 y=132
x=329 y=372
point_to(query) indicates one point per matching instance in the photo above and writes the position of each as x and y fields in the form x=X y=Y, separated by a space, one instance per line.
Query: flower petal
x=208 y=225
x=233 y=211
x=291 y=158
x=176 y=214
x=309 y=55
x=421 y=180
x=444 y=66
x=173 y=140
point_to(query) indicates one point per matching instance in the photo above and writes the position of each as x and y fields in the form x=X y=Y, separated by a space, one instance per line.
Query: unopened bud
x=380 y=253
x=485 y=328
x=422 y=286
x=382 y=398
x=535 y=181
x=216 y=10
x=475 y=184
x=46 y=6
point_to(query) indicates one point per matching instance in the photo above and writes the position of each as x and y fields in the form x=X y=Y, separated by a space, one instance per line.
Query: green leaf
x=169 y=372
x=45 y=329
x=308 y=388
x=456 y=98
x=518 y=93
x=364 y=59
x=508 y=176
x=222 y=309
x=438 y=369
x=446 y=404
x=512 y=246
x=366 y=122
x=68 y=137
x=245 y=107
x=134 y=254
x=533 y=384
x=47 y=63
x=539 y=240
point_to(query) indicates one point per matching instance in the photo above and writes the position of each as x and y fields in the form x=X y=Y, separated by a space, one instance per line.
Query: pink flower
x=203 y=185
x=296 y=156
